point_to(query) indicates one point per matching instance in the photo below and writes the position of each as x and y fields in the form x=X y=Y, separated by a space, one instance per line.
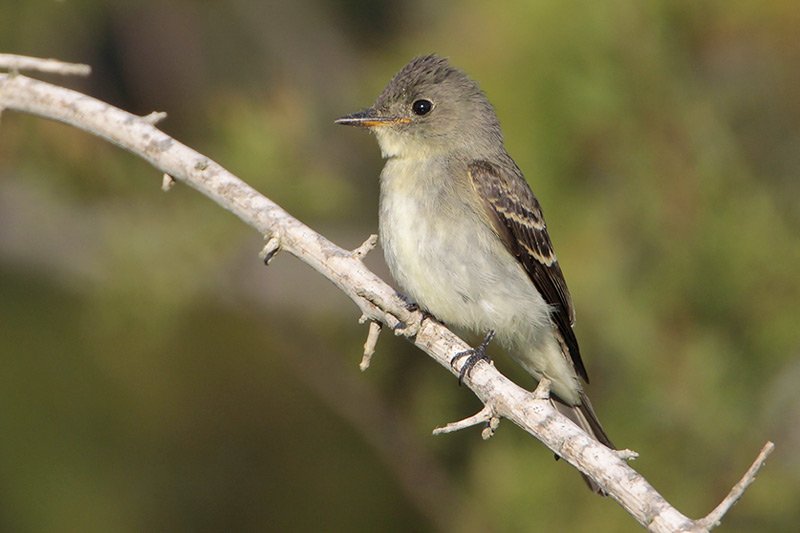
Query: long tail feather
x=583 y=415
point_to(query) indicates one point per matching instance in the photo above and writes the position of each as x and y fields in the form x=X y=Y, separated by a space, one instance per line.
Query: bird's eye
x=422 y=107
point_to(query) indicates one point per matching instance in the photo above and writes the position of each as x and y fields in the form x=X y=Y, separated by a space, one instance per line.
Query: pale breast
x=445 y=255
x=442 y=250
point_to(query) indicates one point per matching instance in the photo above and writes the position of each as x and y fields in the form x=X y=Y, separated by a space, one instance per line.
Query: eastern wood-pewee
x=462 y=231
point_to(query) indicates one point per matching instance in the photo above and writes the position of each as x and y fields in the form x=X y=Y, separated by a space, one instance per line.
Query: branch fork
x=714 y=518
x=394 y=312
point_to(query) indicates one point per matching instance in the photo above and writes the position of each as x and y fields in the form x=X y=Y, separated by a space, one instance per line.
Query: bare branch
x=15 y=63
x=714 y=518
x=377 y=301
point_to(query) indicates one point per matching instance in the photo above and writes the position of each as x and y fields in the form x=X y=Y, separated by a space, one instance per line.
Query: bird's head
x=430 y=107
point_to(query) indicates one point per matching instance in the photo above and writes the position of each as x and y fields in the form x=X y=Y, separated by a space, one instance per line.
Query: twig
x=481 y=417
x=714 y=518
x=15 y=63
x=369 y=345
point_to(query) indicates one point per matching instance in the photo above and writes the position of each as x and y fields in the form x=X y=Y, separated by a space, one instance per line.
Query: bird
x=463 y=233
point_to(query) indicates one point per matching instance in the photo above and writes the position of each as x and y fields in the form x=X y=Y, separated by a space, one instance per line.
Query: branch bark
x=377 y=301
x=16 y=63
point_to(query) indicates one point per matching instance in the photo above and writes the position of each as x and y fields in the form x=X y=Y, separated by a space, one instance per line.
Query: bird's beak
x=368 y=119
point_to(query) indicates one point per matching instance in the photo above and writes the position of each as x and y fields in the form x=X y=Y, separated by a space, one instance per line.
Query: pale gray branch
x=714 y=518
x=376 y=300
x=16 y=63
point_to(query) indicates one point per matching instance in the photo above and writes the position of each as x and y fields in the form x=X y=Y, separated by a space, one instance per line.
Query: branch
x=714 y=518
x=377 y=301
x=15 y=63
x=484 y=416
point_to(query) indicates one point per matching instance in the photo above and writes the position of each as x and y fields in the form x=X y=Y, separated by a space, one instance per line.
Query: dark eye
x=422 y=107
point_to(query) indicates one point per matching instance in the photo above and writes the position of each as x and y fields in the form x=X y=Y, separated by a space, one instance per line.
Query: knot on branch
x=271 y=249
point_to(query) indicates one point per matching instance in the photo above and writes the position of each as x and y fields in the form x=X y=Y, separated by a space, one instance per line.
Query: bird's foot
x=473 y=356
x=411 y=306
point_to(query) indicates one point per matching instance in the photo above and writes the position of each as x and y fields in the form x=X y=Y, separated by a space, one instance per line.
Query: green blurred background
x=154 y=376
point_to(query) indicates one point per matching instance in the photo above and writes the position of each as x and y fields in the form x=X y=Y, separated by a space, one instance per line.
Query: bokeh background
x=155 y=376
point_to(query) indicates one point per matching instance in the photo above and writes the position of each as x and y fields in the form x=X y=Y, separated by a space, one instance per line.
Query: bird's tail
x=583 y=415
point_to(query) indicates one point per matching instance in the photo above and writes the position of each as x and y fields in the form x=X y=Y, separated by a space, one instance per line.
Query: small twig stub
x=271 y=249
x=369 y=345
x=365 y=247
x=167 y=182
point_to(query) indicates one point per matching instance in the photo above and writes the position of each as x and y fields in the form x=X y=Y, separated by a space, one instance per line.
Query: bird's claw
x=473 y=356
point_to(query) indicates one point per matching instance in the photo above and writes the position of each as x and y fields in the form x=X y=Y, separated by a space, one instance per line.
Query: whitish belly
x=444 y=254
x=448 y=260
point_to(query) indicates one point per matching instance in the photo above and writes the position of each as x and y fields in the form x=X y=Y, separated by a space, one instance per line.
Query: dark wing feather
x=517 y=217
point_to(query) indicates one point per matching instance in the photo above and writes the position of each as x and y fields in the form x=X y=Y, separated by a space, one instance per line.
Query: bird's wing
x=517 y=218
